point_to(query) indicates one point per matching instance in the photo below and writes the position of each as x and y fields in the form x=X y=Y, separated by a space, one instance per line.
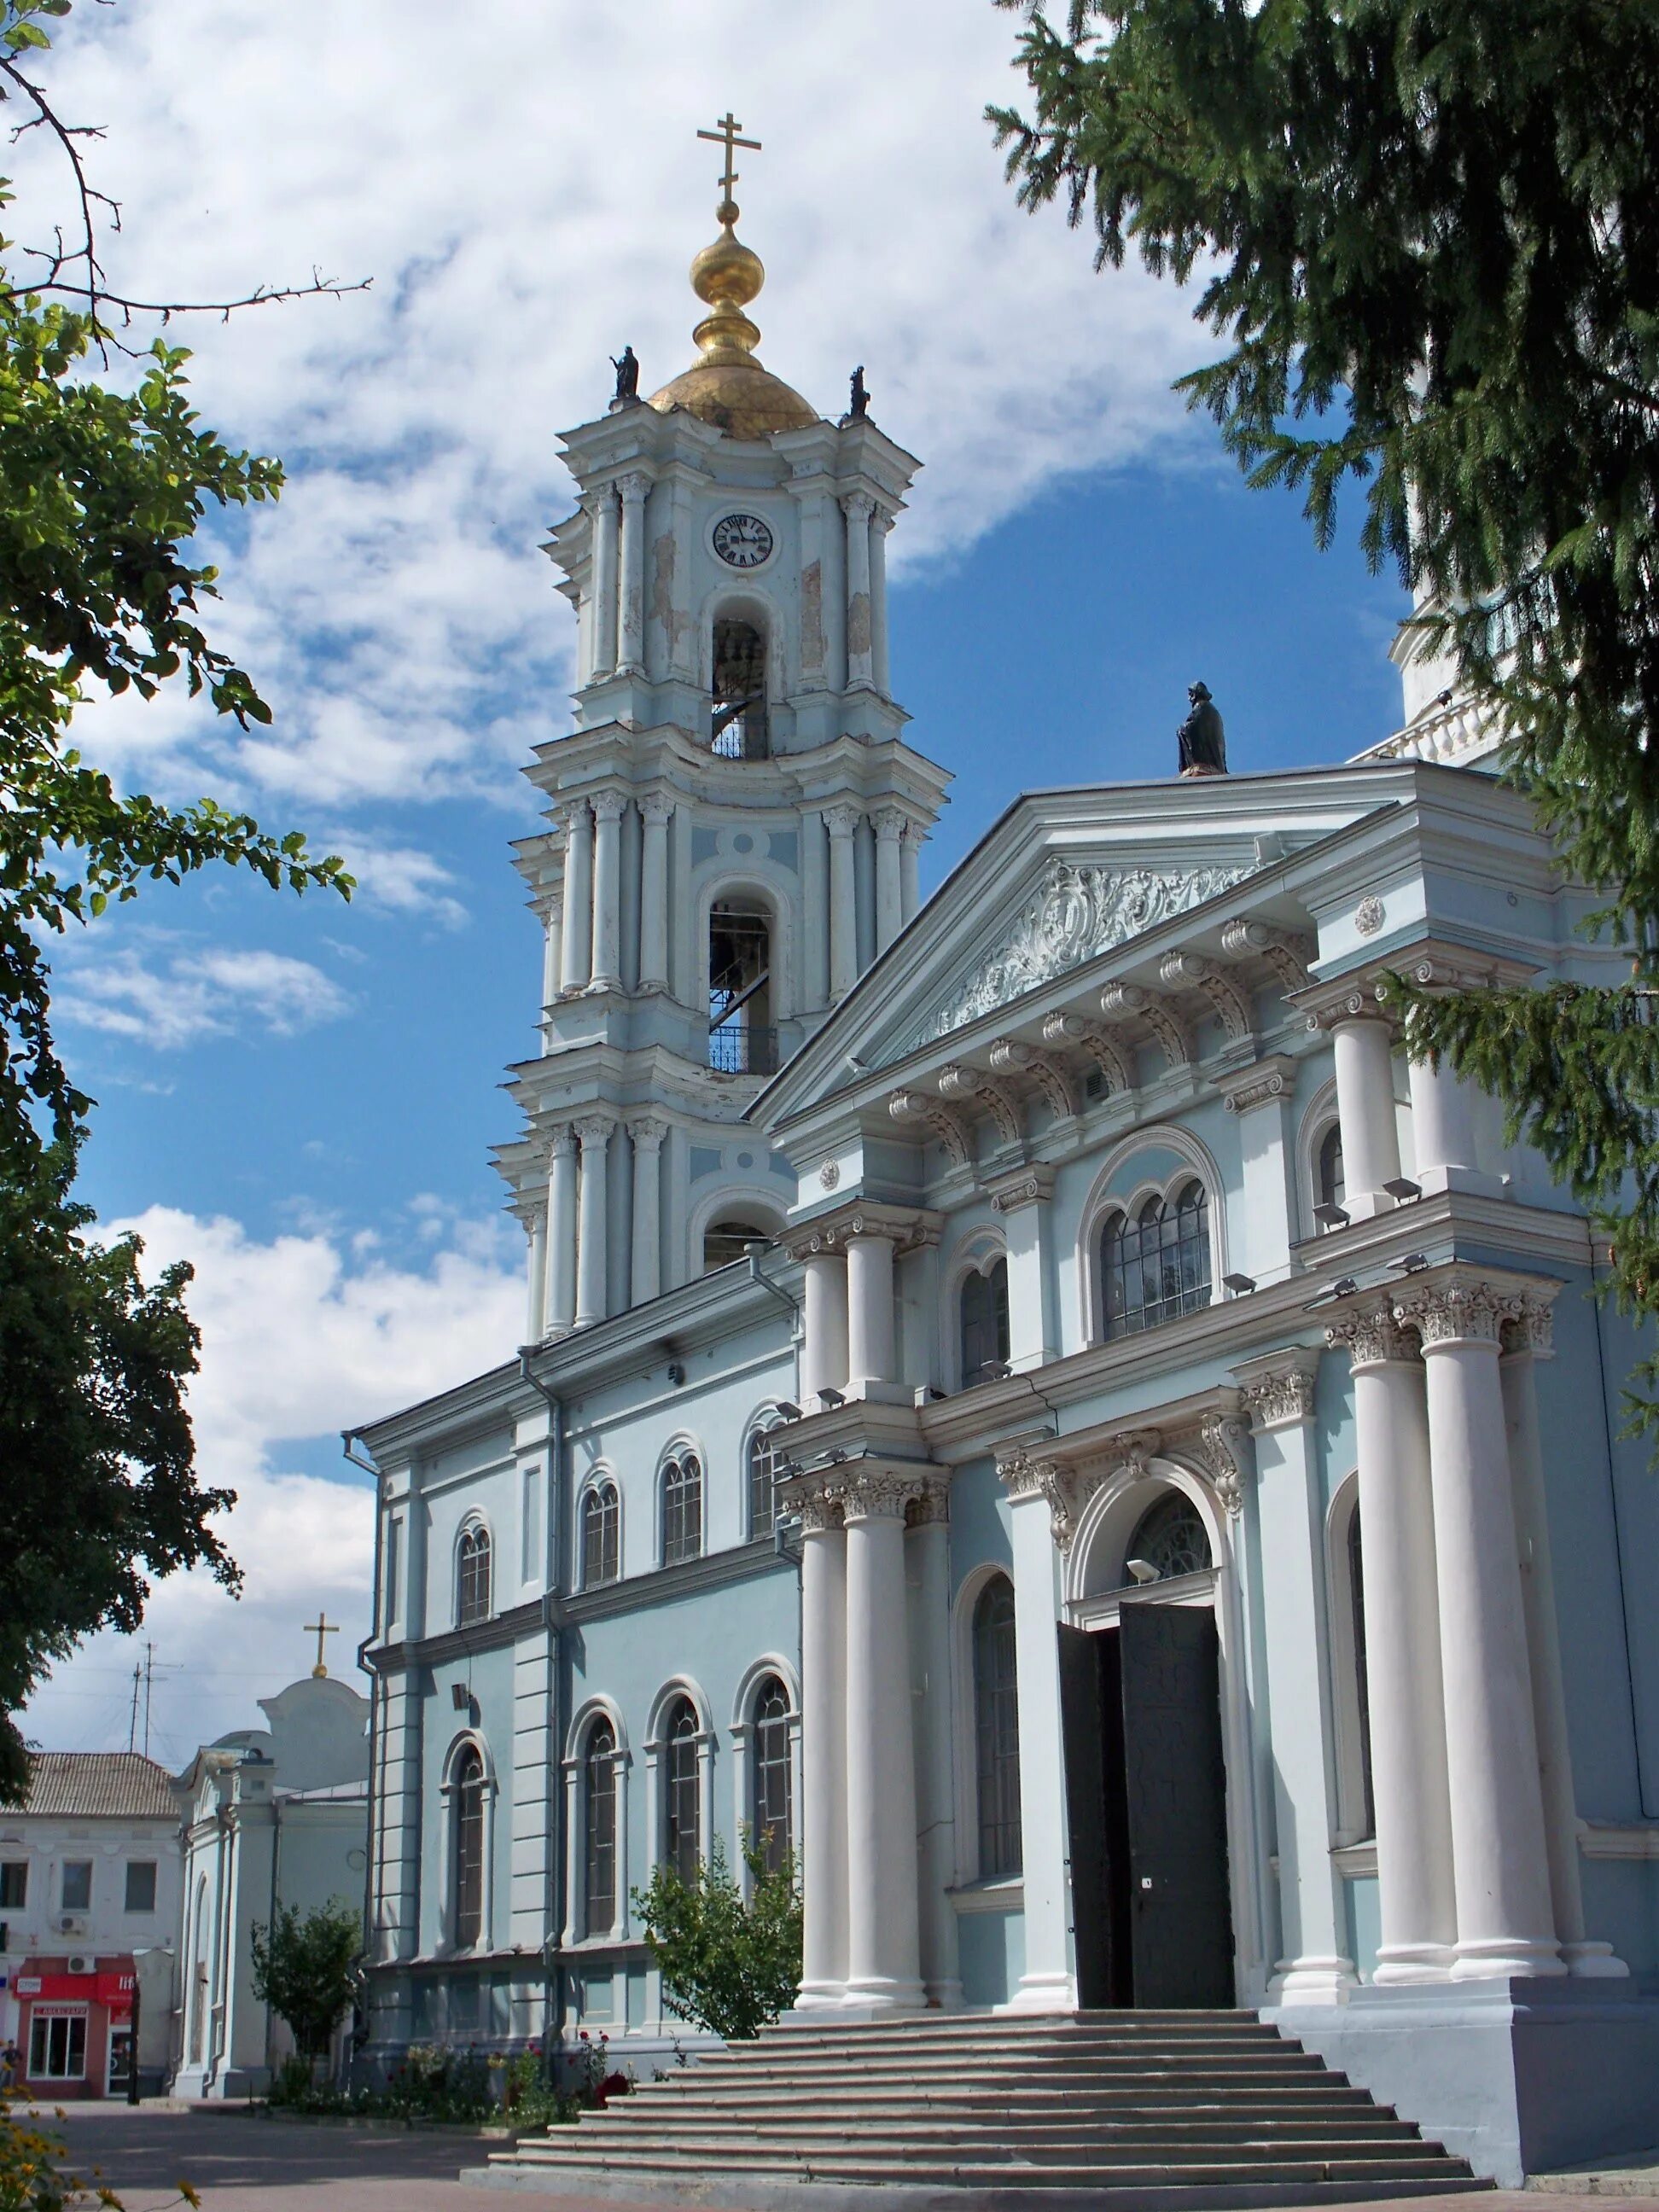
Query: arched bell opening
x=743 y=1038
x=739 y=727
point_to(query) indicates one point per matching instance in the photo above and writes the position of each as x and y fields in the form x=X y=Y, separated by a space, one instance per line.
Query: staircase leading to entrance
x=1173 y=2109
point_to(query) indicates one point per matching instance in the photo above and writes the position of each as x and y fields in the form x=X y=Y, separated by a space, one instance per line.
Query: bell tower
x=734 y=818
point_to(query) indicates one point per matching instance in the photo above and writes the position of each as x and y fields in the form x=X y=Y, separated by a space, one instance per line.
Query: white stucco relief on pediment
x=1076 y=914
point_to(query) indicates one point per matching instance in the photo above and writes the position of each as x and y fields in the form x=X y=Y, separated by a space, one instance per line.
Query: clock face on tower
x=743 y=541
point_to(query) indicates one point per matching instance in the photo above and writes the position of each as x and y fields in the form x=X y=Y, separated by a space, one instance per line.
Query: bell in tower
x=734 y=817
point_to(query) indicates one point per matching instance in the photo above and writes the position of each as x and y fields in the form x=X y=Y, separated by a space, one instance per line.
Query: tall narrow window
x=996 y=1720
x=1157 y=1265
x=599 y=1828
x=394 y=1551
x=472 y=1577
x=742 y=1039
x=1333 y=1182
x=984 y=1317
x=468 y=1818
x=681 y=1510
x=772 y=1793
x=1357 y=1593
x=739 y=730
x=601 y=1535
x=762 y=1485
x=682 y=1838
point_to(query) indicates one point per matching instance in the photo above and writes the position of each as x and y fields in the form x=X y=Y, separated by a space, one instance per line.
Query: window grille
x=601 y=1537
x=772 y=1790
x=1171 y=1536
x=472 y=1577
x=1157 y=1267
x=996 y=1716
x=599 y=1827
x=469 y=1816
x=682 y=1837
x=1333 y=1184
x=681 y=1510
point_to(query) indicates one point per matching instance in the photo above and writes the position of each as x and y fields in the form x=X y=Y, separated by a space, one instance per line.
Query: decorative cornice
x=908 y=1228
x=1285 y=954
x=1191 y=971
x=1076 y=914
x=973 y=1085
x=1025 y=1186
x=1349 y=997
x=1278 y=1388
x=1268 y=1080
x=939 y=1119
x=1222 y=1445
x=1010 y=1056
x=1120 y=1001
x=1115 y=1063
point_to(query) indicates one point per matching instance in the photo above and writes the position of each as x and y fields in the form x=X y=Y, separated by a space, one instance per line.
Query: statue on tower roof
x=859 y=405
x=1201 y=738
x=628 y=378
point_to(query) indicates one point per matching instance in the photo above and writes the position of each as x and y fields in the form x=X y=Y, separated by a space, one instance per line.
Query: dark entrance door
x=1146 y=1795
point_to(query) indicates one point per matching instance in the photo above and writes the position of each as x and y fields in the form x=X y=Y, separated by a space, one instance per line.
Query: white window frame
x=468 y=1739
x=656 y=1768
x=594 y=1481
x=576 y=1932
x=1349 y=1735
x=472 y=1523
x=743 y=1753
x=1196 y=1163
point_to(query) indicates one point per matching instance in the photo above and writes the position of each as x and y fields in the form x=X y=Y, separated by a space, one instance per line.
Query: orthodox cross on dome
x=320 y=1627
x=725 y=133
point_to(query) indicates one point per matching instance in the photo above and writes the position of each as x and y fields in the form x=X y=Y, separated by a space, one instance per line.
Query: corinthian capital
x=1368 y=1331
x=1279 y=1390
x=1458 y=1308
x=879 y=1495
x=857 y=507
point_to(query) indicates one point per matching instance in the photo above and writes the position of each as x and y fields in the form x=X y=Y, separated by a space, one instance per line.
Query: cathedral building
x=1028 y=1401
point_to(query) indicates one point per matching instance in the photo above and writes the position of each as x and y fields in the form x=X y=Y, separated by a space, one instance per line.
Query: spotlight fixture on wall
x=1238 y=1285
x=933 y=1394
x=831 y=1398
x=1331 y=1216
x=994 y=1370
x=1402 y=1187
x=786 y=1470
x=1142 y=1570
x=1413 y=1263
x=833 y=1458
x=1343 y=1287
x=460 y=1697
x=788 y=1411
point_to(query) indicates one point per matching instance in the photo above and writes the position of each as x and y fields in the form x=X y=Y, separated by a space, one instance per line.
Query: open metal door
x=1175 y=1797
x=1092 y=1721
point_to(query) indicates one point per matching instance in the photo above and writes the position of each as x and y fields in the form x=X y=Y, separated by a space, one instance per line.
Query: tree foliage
x=1427 y=233
x=306 y=1969
x=729 y=1964
x=103 y=487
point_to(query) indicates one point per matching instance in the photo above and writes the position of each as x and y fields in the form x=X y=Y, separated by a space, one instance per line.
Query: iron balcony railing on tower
x=738 y=1050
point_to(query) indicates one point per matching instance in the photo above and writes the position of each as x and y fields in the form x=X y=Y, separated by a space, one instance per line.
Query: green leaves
x=306 y=1969
x=729 y=1965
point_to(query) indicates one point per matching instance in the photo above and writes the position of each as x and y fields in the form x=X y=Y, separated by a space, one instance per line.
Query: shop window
x=57 y=2047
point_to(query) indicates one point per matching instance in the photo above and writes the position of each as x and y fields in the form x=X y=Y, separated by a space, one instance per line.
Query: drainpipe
x=349 y=1437
x=758 y=1275
x=553 y=1618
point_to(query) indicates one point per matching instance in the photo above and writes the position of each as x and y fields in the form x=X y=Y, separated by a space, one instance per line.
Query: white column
x=1263 y=1099
x=1033 y=1323
x=884 y=1951
x=1499 y=1859
x=1526 y=1341
x=605 y=582
x=1402 y=1647
x=1047 y=1983
x=840 y=822
x=1279 y=1390
x=551 y=951
x=910 y=871
x=535 y=1322
x=815 y=913
x=823 y=1754
x=880 y=523
x=928 y=1570
x=890 y=893
x=869 y=1311
x=633 y=488
x=593 y=1131
x=1442 y=1133
x=825 y=1347
x=607 y=889
x=654 y=811
x=858 y=507
x=1363 y=1050
x=560 y=1312
x=646 y=1268
x=576 y=945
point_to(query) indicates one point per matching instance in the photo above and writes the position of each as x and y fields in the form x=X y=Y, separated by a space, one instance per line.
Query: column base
x=1312 y=1980
x=1595 y=1962
x=1508 y=1959
x=1042 y=1993
x=1402 y=1964
x=876 y=1996
x=817 y=1998
x=1474 y=1182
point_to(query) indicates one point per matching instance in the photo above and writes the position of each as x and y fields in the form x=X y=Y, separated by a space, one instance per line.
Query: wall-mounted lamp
x=994 y=1370
x=460 y=1697
x=1414 y=1262
x=1142 y=1570
x=1238 y=1285
x=1331 y=1216
x=831 y=1398
x=1402 y=1187
x=788 y=1411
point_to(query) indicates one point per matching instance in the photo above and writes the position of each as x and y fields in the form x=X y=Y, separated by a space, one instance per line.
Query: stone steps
x=1172 y=2111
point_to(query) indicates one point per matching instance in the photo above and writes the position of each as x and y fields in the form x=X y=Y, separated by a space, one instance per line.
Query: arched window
x=472 y=1576
x=682 y=1826
x=1333 y=1185
x=1157 y=1265
x=983 y=1317
x=599 y=1830
x=996 y=1726
x=681 y=1510
x=742 y=1038
x=762 y=1485
x=601 y=1535
x=1357 y=1598
x=469 y=1819
x=729 y=1238
x=1170 y=1539
x=737 y=729
x=771 y=1811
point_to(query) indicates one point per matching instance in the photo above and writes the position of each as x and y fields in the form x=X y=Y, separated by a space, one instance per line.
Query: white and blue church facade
x=1028 y=1401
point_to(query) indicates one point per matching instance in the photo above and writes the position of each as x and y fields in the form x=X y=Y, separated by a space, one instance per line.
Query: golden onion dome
x=728 y=387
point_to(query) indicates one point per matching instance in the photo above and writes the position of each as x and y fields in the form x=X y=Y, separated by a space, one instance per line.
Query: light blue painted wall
x=991 y=1948
x=1364 y=1923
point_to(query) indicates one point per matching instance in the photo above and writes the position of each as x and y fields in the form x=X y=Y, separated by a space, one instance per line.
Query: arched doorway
x=1146 y=1776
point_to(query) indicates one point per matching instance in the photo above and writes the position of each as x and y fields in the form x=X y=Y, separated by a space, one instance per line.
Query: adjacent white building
x=1029 y=1399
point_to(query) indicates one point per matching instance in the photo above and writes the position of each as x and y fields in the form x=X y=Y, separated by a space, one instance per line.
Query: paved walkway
x=241 y=2162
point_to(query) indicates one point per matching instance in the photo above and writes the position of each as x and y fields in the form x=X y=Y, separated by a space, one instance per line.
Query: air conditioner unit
x=72 y=1925
x=81 y=1965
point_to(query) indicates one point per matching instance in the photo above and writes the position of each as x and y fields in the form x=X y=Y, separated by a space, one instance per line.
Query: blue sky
x=300 y=1096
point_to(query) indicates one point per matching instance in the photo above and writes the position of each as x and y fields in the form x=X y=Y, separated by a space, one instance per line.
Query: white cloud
x=526 y=198
x=299 y=1337
x=400 y=878
x=217 y=992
